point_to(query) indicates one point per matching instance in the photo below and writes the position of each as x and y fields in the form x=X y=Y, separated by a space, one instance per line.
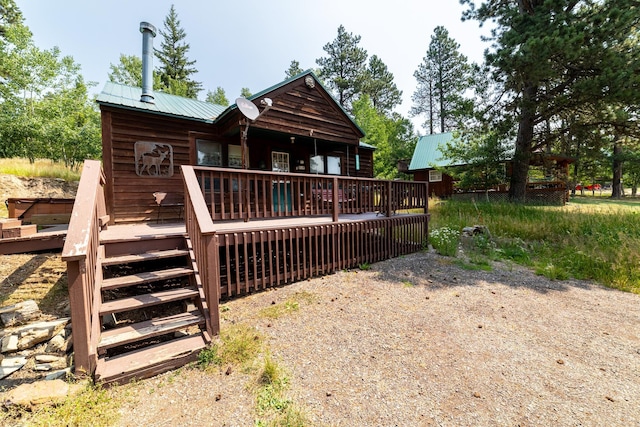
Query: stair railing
x=80 y=252
x=201 y=232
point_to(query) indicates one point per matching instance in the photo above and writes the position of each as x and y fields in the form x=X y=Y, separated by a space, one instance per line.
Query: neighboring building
x=427 y=158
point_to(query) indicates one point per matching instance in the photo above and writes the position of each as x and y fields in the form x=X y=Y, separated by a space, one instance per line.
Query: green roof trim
x=365 y=145
x=428 y=154
x=169 y=105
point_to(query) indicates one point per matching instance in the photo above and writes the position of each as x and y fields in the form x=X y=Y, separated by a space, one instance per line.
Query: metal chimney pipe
x=148 y=33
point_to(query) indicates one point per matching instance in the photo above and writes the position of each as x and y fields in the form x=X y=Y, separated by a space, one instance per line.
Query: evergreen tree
x=556 y=58
x=218 y=97
x=379 y=86
x=245 y=92
x=175 y=69
x=443 y=78
x=293 y=70
x=343 y=69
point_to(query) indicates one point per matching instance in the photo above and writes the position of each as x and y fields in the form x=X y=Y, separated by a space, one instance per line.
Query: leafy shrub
x=445 y=241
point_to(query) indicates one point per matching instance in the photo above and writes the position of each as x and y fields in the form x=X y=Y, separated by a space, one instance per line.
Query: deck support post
x=389 y=209
x=336 y=200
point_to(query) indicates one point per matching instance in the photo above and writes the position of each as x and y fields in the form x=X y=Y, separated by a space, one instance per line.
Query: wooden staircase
x=152 y=312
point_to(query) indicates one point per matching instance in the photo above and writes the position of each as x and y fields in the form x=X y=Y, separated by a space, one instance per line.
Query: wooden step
x=145 y=277
x=146 y=256
x=149 y=361
x=148 y=329
x=147 y=300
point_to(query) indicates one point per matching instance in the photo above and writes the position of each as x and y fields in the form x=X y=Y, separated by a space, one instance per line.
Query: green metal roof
x=365 y=145
x=427 y=154
x=165 y=104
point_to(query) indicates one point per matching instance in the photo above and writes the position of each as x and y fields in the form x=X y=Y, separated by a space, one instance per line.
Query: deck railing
x=201 y=232
x=248 y=194
x=81 y=255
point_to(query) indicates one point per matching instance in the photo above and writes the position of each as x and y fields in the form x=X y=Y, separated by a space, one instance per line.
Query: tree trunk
x=524 y=141
x=616 y=189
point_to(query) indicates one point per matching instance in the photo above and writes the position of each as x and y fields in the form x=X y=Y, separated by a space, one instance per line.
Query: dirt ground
x=418 y=340
x=41 y=277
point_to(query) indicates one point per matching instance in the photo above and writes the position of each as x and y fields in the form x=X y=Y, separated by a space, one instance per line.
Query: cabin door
x=281 y=190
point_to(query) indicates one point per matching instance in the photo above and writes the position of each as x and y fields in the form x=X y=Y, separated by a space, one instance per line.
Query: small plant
x=208 y=357
x=445 y=241
x=364 y=266
x=272 y=404
x=407 y=284
x=239 y=345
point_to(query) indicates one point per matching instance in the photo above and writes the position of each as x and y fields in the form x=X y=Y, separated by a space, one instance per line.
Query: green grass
x=273 y=406
x=239 y=345
x=40 y=168
x=93 y=406
x=291 y=305
x=595 y=239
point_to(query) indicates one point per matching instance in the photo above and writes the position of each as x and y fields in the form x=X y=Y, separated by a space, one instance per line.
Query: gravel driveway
x=419 y=341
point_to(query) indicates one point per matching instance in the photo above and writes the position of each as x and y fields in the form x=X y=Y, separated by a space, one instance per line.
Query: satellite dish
x=247 y=108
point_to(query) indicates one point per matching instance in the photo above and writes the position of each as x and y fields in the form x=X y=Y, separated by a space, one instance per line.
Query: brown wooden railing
x=247 y=194
x=83 y=272
x=258 y=259
x=202 y=235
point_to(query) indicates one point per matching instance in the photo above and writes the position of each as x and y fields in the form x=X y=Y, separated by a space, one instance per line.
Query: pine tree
x=556 y=58
x=343 y=69
x=293 y=70
x=175 y=69
x=218 y=97
x=443 y=78
x=379 y=86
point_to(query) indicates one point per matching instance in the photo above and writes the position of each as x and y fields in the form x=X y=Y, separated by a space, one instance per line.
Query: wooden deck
x=50 y=239
x=151 y=230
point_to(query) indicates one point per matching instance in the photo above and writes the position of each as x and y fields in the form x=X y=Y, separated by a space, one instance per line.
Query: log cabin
x=196 y=202
x=547 y=182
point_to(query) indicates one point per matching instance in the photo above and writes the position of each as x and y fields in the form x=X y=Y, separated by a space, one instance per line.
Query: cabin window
x=316 y=164
x=279 y=161
x=209 y=153
x=334 y=165
x=235 y=156
x=435 y=176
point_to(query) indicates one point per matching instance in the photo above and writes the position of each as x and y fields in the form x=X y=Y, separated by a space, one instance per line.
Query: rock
x=48 y=358
x=36 y=333
x=43 y=367
x=40 y=392
x=57 y=344
x=9 y=365
x=19 y=313
x=62 y=373
x=9 y=344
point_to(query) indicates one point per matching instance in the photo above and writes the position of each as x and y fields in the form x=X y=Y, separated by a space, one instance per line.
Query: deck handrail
x=202 y=234
x=80 y=252
x=246 y=194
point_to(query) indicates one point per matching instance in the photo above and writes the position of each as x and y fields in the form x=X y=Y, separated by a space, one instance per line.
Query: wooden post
x=80 y=317
x=213 y=281
x=389 y=198
x=334 y=198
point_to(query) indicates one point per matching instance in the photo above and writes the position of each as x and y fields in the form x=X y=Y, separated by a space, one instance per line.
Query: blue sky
x=250 y=43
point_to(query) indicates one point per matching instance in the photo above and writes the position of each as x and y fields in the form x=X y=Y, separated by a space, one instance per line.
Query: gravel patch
x=418 y=341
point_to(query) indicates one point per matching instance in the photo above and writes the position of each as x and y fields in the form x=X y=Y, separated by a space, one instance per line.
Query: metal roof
x=365 y=145
x=427 y=154
x=165 y=104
